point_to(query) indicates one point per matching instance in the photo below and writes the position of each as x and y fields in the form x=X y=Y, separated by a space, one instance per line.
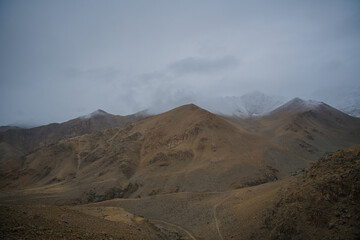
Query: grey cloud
x=202 y=65
x=94 y=74
x=60 y=58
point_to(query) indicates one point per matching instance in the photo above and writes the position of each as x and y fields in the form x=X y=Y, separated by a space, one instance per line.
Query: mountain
x=257 y=103
x=314 y=126
x=248 y=105
x=346 y=99
x=27 y=140
x=297 y=105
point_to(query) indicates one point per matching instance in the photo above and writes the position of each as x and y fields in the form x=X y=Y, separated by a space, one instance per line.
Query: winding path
x=176 y=226
x=215 y=217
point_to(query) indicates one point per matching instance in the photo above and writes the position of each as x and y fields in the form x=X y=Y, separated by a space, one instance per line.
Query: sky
x=63 y=59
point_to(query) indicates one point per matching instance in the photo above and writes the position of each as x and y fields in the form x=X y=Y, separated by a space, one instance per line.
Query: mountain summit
x=298 y=105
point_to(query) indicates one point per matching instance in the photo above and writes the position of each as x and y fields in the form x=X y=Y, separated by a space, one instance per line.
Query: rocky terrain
x=53 y=222
x=323 y=202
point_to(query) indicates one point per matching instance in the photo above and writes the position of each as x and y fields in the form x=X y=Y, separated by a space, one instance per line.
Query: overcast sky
x=63 y=59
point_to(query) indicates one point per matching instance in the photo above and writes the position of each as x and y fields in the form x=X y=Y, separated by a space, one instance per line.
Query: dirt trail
x=215 y=217
x=176 y=226
x=78 y=160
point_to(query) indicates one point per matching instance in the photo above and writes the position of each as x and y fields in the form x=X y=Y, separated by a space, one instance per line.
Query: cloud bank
x=63 y=59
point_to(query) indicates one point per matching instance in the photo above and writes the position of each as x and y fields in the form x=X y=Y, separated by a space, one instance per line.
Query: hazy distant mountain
x=247 y=105
x=350 y=105
x=26 y=140
x=344 y=99
x=5 y=128
x=259 y=104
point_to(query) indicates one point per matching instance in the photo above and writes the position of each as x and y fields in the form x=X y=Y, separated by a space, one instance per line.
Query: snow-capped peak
x=247 y=105
x=257 y=103
x=301 y=103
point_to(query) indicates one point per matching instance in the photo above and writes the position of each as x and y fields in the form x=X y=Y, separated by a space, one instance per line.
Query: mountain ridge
x=31 y=138
x=186 y=149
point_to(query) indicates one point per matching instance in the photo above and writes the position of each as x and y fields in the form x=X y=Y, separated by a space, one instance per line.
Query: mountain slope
x=314 y=127
x=307 y=128
x=325 y=201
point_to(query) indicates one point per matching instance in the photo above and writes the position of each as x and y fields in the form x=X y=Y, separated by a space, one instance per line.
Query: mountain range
x=190 y=173
x=185 y=149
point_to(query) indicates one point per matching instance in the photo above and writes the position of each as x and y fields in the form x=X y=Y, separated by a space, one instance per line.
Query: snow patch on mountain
x=345 y=99
x=298 y=103
x=248 y=105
